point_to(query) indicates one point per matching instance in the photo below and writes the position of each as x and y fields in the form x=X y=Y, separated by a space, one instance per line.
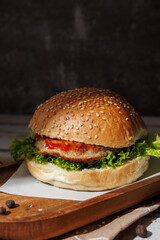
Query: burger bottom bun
x=89 y=179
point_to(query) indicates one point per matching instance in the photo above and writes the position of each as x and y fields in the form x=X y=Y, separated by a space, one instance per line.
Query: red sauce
x=65 y=146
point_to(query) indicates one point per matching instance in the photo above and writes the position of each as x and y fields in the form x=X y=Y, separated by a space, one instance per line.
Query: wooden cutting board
x=40 y=218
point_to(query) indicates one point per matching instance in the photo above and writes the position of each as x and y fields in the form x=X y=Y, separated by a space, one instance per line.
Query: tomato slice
x=63 y=145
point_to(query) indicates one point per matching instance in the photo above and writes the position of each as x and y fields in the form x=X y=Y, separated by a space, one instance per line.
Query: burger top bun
x=89 y=115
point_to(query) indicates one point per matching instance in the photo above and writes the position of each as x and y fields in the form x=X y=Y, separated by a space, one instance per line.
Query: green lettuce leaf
x=153 y=145
x=149 y=146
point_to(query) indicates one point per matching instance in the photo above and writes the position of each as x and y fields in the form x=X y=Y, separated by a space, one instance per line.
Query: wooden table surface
x=11 y=125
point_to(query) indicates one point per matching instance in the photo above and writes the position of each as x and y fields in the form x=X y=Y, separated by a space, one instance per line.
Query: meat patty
x=71 y=150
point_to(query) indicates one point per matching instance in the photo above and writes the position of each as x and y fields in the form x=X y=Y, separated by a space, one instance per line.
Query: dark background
x=50 y=46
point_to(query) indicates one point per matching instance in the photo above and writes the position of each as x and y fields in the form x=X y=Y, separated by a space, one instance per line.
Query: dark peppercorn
x=10 y=203
x=2 y=210
x=141 y=231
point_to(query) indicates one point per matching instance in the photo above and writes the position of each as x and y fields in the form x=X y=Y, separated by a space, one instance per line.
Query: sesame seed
x=89 y=137
x=87 y=118
x=90 y=126
x=96 y=136
x=97 y=114
x=102 y=111
x=80 y=103
x=88 y=114
x=40 y=210
x=127 y=119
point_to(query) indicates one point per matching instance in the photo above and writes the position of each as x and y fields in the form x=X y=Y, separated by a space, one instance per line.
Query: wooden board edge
x=92 y=210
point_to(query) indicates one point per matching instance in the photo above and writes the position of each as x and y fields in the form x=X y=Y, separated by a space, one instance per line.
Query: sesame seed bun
x=91 y=116
x=89 y=179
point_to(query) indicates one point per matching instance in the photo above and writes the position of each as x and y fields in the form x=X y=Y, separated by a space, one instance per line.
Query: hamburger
x=87 y=139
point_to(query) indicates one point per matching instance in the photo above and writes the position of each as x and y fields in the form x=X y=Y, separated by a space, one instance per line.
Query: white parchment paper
x=22 y=183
